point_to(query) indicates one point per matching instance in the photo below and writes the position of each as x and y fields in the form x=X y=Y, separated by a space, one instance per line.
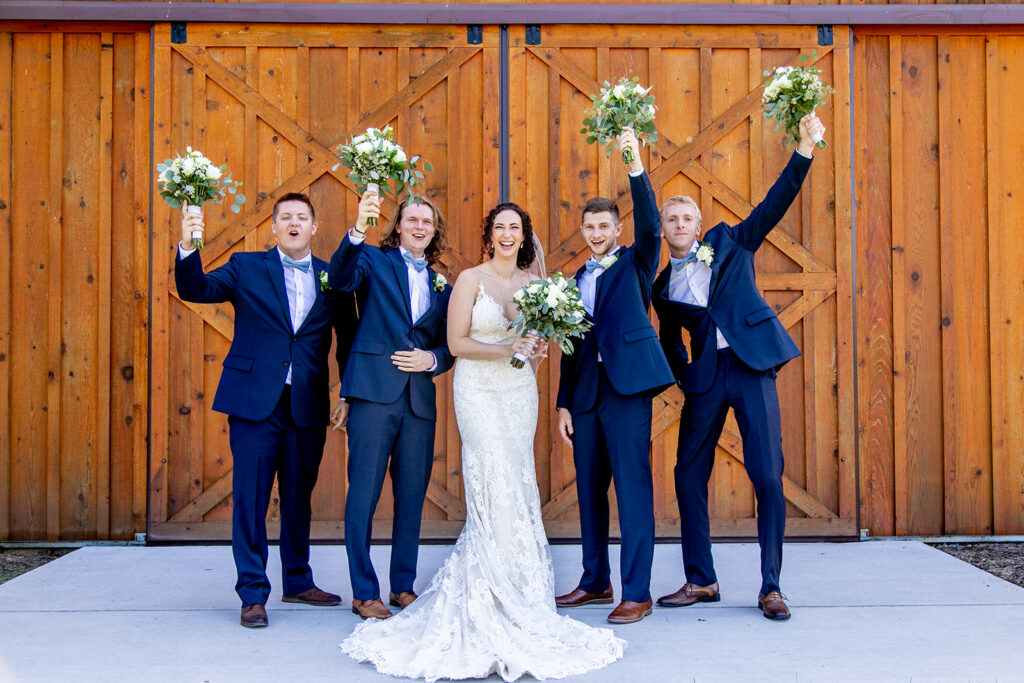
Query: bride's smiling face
x=507 y=233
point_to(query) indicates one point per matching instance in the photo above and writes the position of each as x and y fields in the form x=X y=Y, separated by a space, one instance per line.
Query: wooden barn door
x=714 y=146
x=272 y=102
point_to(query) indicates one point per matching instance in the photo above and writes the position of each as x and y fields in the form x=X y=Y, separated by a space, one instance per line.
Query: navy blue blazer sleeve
x=345 y=320
x=670 y=336
x=565 y=383
x=646 y=231
x=750 y=232
x=204 y=288
x=349 y=267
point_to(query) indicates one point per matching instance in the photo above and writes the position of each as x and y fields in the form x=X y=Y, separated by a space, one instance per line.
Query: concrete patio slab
x=892 y=610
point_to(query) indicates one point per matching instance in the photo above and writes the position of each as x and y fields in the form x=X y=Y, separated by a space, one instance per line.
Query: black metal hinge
x=474 y=34
x=824 y=35
x=533 y=34
x=179 y=32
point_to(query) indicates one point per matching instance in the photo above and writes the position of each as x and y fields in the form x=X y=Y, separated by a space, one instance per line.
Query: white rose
x=364 y=147
x=552 y=300
x=533 y=289
x=188 y=166
x=212 y=172
x=399 y=155
x=639 y=89
x=619 y=91
x=518 y=296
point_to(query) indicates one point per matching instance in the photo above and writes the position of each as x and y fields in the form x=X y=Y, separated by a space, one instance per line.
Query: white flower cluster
x=552 y=309
x=706 y=254
x=375 y=157
x=627 y=104
x=195 y=179
x=793 y=93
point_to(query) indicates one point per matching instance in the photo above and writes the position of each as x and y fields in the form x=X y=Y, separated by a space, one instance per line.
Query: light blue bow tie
x=678 y=263
x=591 y=265
x=289 y=262
x=418 y=263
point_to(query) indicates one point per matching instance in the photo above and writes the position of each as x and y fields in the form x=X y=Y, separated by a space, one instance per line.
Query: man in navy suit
x=388 y=386
x=604 y=398
x=738 y=345
x=274 y=389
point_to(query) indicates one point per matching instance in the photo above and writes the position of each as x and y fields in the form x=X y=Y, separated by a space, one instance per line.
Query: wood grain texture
x=6 y=284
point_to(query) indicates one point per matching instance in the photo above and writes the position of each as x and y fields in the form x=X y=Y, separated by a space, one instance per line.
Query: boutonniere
x=324 y=282
x=608 y=261
x=706 y=253
x=440 y=282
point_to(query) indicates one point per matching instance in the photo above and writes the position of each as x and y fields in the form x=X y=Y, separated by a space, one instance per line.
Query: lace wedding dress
x=490 y=608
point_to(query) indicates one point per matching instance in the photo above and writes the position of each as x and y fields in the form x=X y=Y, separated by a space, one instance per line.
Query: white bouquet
x=552 y=309
x=375 y=159
x=793 y=93
x=196 y=180
x=627 y=104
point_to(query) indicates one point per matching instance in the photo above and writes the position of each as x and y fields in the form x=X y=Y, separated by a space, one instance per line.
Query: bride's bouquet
x=793 y=94
x=552 y=309
x=195 y=179
x=627 y=104
x=375 y=159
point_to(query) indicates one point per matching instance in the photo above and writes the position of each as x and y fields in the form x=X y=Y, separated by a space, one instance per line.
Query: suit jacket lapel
x=715 y=265
x=621 y=253
x=276 y=272
x=402 y=275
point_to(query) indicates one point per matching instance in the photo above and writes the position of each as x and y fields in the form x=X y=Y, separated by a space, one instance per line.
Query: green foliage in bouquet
x=627 y=104
x=552 y=309
x=793 y=93
x=375 y=157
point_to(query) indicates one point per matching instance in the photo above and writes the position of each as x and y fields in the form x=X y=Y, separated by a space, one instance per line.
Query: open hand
x=416 y=360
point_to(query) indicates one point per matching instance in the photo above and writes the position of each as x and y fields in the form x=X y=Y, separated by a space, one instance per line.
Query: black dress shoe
x=254 y=616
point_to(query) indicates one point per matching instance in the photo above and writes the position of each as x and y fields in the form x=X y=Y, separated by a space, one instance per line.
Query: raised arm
x=192 y=283
x=348 y=270
x=646 y=221
x=751 y=232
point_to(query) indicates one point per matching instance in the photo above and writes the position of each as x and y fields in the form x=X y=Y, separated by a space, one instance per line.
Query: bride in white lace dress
x=490 y=608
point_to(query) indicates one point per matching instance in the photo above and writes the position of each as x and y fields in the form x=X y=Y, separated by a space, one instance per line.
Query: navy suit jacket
x=622 y=332
x=381 y=280
x=264 y=344
x=734 y=305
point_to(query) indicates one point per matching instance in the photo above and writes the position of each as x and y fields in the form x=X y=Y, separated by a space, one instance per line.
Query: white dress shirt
x=692 y=285
x=300 y=289
x=588 y=284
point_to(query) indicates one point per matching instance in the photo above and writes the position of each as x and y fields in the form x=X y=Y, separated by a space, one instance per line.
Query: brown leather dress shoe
x=629 y=612
x=314 y=596
x=773 y=606
x=577 y=597
x=689 y=594
x=403 y=599
x=371 y=609
x=254 y=616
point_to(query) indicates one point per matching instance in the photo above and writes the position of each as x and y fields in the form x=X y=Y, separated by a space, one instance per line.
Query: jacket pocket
x=646 y=332
x=759 y=315
x=375 y=348
x=238 y=363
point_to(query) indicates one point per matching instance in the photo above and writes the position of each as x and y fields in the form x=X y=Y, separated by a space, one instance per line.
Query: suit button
x=285 y=363
x=710 y=308
x=410 y=346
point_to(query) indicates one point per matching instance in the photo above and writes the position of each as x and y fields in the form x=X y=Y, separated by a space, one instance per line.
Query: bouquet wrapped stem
x=195 y=180
x=550 y=308
x=627 y=104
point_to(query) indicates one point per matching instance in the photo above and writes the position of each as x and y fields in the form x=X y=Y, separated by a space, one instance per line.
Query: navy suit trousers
x=375 y=432
x=612 y=442
x=260 y=449
x=755 y=400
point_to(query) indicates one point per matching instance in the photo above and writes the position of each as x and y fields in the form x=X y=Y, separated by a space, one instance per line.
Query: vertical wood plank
x=6 y=285
x=162 y=247
x=901 y=484
x=53 y=299
x=144 y=246
x=103 y=274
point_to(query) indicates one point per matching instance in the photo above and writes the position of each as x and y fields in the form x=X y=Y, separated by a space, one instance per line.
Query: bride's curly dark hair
x=528 y=250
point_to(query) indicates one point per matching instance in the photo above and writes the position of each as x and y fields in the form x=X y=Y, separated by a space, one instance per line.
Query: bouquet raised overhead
x=552 y=309
x=374 y=159
x=627 y=104
x=195 y=180
x=792 y=94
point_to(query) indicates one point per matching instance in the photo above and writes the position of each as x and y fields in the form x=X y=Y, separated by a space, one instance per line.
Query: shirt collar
x=613 y=252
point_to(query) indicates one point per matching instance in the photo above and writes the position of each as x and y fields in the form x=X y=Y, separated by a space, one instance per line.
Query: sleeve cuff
x=805 y=156
x=183 y=253
x=433 y=366
x=356 y=237
x=636 y=174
